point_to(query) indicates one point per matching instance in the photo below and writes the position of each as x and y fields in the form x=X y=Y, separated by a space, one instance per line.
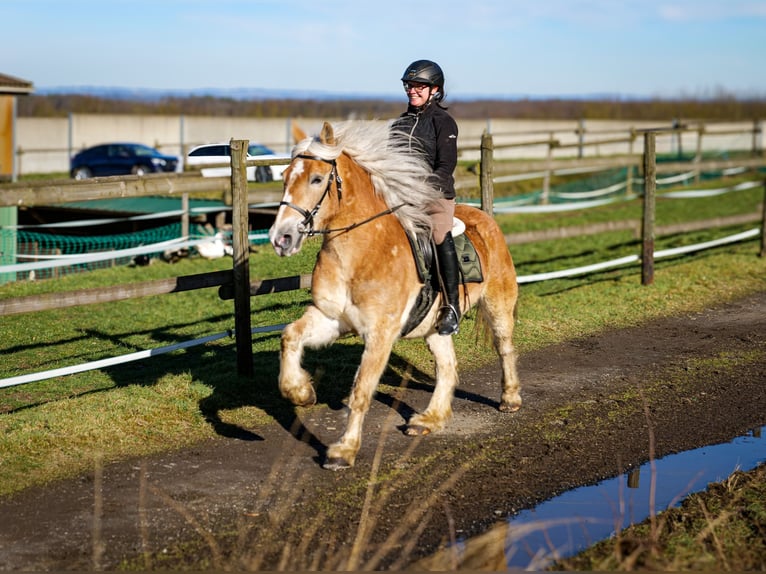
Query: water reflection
x=574 y=520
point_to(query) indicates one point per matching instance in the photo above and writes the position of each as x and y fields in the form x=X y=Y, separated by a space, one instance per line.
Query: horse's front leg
x=439 y=410
x=377 y=349
x=313 y=329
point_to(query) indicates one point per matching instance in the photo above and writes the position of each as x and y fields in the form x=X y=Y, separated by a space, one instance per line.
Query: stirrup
x=449 y=321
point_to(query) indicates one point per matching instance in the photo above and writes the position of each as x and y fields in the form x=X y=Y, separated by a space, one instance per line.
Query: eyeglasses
x=413 y=86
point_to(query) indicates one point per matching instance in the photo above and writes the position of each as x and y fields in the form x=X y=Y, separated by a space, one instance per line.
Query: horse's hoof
x=302 y=397
x=509 y=407
x=417 y=430
x=310 y=402
x=335 y=463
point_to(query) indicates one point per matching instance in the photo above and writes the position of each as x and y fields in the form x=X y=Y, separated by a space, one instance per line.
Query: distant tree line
x=720 y=108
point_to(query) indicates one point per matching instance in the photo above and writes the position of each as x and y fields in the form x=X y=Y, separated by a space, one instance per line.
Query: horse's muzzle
x=286 y=240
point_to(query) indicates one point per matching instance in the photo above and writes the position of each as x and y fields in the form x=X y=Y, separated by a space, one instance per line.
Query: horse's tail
x=482 y=332
x=482 y=326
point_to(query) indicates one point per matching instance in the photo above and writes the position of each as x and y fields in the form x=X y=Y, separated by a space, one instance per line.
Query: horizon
x=244 y=93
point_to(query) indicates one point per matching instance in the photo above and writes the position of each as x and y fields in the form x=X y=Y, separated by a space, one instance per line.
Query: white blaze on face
x=296 y=170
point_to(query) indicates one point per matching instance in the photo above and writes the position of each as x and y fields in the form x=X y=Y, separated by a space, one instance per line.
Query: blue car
x=120 y=159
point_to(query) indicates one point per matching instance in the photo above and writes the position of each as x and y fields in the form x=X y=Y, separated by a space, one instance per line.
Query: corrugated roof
x=141 y=205
x=14 y=86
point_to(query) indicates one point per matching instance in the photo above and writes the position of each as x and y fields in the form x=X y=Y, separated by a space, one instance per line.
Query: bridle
x=306 y=226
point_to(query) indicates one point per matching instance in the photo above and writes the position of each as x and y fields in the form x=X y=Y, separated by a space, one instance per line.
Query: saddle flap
x=468 y=259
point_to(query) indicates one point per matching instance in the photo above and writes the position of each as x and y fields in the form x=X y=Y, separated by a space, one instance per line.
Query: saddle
x=423 y=251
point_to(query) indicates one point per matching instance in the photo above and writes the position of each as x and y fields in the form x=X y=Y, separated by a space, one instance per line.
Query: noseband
x=307 y=225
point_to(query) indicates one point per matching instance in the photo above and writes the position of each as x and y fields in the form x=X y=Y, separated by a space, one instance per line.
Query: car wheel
x=140 y=170
x=81 y=173
x=263 y=174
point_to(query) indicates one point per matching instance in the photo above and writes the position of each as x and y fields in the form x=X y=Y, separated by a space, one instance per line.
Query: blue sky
x=656 y=48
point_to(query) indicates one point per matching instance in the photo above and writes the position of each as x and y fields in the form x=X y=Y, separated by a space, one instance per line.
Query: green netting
x=71 y=245
x=603 y=181
x=31 y=245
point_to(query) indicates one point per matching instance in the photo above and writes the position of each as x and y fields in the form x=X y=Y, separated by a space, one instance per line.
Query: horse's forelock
x=300 y=147
x=312 y=146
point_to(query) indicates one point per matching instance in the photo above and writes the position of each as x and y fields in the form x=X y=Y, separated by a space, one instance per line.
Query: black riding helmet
x=426 y=72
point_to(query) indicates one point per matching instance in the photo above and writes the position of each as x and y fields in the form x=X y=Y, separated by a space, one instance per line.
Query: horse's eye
x=316 y=179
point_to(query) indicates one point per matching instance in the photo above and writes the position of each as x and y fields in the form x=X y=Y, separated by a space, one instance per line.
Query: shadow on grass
x=215 y=367
x=333 y=370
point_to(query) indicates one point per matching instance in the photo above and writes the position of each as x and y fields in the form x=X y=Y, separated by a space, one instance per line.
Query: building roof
x=142 y=205
x=14 y=86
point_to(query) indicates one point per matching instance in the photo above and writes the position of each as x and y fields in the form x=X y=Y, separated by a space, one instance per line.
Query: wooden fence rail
x=60 y=300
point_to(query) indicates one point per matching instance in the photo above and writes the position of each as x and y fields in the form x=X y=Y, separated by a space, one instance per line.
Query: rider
x=434 y=132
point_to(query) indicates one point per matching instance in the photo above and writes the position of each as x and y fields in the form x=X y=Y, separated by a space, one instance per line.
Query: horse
x=359 y=187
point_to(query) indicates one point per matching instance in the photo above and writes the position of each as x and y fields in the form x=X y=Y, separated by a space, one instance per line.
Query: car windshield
x=258 y=149
x=140 y=149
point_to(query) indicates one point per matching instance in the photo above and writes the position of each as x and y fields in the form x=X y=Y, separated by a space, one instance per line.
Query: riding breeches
x=442 y=213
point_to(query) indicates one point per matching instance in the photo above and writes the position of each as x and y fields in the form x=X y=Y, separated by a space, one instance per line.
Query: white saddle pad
x=458 y=227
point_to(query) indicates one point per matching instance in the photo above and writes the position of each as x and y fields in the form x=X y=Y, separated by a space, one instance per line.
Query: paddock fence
x=236 y=284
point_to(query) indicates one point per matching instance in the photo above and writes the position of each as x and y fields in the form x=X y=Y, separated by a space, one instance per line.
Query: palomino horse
x=365 y=193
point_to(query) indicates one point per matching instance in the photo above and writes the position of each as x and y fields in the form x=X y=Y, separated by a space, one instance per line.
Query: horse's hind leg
x=313 y=329
x=439 y=409
x=498 y=307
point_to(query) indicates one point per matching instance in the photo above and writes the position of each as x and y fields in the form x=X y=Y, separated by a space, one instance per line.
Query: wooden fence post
x=485 y=167
x=632 y=140
x=547 y=176
x=763 y=223
x=677 y=131
x=647 y=228
x=698 y=154
x=241 y=256
x=185 y=214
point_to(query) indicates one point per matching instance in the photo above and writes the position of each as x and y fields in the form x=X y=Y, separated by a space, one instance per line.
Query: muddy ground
x=258 y=498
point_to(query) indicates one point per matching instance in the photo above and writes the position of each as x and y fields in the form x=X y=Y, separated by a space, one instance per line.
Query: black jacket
x=433 y=132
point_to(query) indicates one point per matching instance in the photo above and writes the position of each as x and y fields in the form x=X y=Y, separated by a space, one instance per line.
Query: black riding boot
x=449 y=317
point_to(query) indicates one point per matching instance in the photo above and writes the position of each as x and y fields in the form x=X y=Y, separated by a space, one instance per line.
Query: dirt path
x=261 y=500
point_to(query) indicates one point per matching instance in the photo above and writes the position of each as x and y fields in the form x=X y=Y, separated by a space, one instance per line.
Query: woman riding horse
x=432 y=132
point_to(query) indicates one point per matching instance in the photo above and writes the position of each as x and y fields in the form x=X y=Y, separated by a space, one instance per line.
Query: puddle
x=572 y=521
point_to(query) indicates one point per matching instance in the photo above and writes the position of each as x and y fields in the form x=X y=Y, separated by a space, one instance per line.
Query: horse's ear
x=298 y=133
x=327 y=136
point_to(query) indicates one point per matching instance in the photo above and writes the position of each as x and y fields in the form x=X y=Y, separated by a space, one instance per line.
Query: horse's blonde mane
x=399 y=176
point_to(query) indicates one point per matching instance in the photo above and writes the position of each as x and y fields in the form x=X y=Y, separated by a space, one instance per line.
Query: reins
x=307 y=225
